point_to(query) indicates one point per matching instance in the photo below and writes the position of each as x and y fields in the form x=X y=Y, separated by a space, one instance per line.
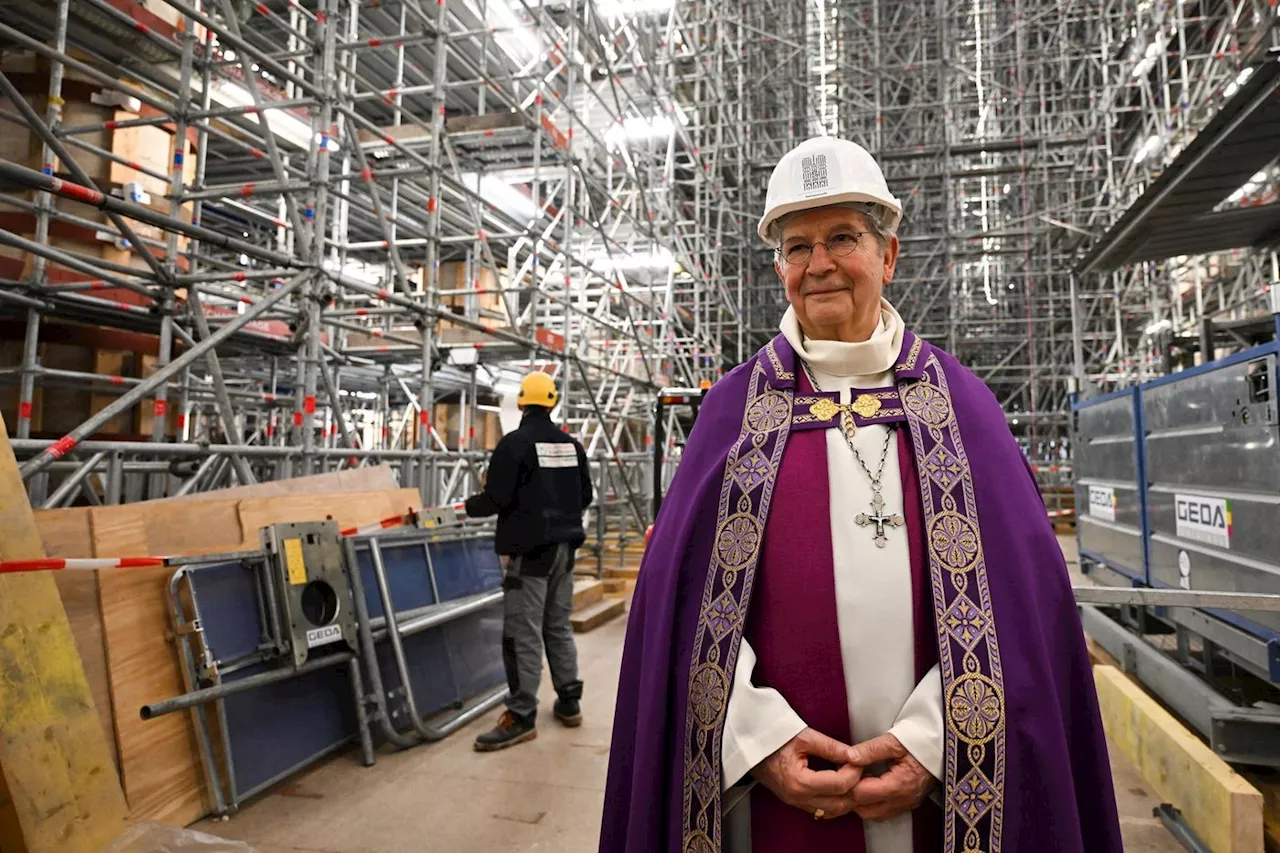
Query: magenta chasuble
x=792 y=627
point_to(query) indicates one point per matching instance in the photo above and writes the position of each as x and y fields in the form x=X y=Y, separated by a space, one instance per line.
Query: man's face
x=835 y=297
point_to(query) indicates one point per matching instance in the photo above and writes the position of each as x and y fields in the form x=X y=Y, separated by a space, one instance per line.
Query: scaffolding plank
x=257 y=513
x=57 y=791
x=372 y=478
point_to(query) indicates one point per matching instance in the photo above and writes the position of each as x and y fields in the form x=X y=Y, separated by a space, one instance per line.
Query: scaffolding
x=366 y=210
x=370 y=205
x=1017 y=132
x=1169 y=69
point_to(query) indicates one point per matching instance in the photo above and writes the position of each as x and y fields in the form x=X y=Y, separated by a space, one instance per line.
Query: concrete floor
x=543 y=795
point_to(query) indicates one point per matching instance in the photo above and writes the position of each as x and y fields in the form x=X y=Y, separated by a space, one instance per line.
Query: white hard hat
x=824 y=171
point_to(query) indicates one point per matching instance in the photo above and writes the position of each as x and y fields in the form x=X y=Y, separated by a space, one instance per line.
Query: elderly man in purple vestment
x=853 y=629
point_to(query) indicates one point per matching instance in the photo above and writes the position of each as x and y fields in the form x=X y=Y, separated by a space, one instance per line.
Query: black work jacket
x=538 y=485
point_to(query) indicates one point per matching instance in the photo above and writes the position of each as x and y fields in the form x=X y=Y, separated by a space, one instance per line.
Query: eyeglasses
x=838 y=246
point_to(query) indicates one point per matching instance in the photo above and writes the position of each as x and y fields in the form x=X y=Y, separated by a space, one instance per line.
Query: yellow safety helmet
x=537 y=389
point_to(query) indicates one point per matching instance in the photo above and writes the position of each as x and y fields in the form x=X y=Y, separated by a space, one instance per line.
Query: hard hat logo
x=813 y=173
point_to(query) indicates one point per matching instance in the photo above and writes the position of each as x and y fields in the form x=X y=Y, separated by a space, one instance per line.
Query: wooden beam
x=58 y=789
x=1216 y=801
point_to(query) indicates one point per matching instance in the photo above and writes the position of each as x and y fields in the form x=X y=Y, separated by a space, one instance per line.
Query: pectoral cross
x=879 y=519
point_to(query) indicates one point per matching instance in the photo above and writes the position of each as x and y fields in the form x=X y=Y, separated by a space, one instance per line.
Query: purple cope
x=1025 y=754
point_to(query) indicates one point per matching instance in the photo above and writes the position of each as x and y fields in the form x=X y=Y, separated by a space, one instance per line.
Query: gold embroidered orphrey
x=750 y=474
x=968 y=651
x=969 y=655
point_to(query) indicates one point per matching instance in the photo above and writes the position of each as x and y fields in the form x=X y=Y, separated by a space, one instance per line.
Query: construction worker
x=538 y=485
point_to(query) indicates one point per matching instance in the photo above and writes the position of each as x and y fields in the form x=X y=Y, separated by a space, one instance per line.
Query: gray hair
x=877 y=217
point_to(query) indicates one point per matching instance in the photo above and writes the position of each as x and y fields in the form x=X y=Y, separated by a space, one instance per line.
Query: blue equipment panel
x=455 y=661
x=1178 y=484
x=1109 y=502
x=277 y=728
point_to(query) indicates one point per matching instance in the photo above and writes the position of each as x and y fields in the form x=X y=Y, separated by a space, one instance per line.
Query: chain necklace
x=877 y=515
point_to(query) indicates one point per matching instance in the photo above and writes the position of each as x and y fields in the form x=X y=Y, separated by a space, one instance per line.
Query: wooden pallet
x=595 y=615
x=586 y=592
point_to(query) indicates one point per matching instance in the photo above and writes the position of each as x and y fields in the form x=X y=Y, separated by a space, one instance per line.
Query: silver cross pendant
x=879 y=519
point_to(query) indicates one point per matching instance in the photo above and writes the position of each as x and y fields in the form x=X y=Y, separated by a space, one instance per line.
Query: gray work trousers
x=536 y=613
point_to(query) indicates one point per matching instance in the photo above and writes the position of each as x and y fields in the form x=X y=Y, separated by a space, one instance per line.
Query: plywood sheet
x=208 y=527
x=65 y=532
x=119 y=531
x=348 y=510
x=370 y=479
x=160 y=529
x=162 y=778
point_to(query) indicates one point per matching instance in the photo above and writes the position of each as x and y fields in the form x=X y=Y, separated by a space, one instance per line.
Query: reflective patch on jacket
x=556 y=455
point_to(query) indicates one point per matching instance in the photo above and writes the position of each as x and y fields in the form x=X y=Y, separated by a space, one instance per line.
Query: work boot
x=569 y=712
x=510 y=731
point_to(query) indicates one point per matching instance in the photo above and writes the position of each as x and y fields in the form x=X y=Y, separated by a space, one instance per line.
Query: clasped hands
x=834 y=793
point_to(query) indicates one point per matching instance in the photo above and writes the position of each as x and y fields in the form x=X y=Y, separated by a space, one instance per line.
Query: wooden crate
x=59 y=410
x=151 y=147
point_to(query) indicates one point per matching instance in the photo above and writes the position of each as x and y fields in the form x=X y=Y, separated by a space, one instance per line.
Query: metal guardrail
x=1146 y=597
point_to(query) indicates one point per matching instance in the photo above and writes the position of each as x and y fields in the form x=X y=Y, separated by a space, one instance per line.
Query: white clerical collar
x=871 y=357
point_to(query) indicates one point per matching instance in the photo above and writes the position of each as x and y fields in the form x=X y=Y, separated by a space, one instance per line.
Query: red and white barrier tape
x=394 y=521
x=85 y=564
x=94 y=564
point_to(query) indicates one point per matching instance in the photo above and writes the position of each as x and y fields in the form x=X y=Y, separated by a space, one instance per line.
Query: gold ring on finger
x=817 y=815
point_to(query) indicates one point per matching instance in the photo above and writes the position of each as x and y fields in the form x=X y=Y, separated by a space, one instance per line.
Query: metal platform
x=264 y=707
x=1176 y=216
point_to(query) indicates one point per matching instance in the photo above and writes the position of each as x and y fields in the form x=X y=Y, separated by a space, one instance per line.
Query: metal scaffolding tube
x=88 y=195
x=127 y=400
x=69 y=260
x=544 y=187
x=230 y=425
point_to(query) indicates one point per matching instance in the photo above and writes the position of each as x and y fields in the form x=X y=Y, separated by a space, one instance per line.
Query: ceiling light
x=622 y=8
x=660 y=259
x=502 y=196
x=284 y=124
x=637 y=129
x=1148 y=148
x=1234 y=85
